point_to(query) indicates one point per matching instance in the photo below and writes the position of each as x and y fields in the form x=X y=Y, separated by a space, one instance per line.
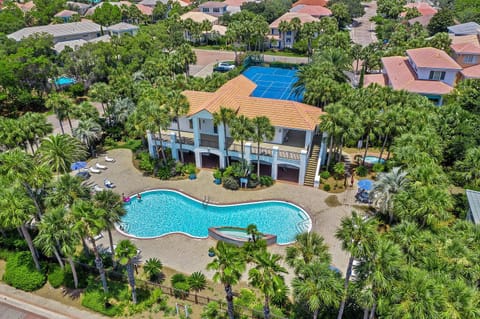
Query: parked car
x=224 y=67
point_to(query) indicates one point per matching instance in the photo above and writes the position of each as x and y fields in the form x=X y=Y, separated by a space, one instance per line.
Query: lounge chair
x=109 y=159
x=100 y=166
x=97 y=188
x=99 y=236
x=94 y=170
x=108 y=184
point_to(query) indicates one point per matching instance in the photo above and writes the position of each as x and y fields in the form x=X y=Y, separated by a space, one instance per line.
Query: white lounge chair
x=99 y=236
x=108 y=184
x=97 y=188
x=100 y=166
x=94 y=170
x=109 y=159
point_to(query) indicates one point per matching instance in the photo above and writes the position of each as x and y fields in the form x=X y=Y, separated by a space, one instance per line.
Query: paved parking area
x=10 y=312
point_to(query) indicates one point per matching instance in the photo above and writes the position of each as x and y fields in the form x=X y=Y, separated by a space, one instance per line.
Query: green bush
x=326 y=187
x=378 y=167
x=181 y=289
x=164 y=173
x=361 y=171
x=217 y=174
x=56 y=276
x=20 y=272
x=189 y=168
x=146 y=162
x=266 y=181
x=178 y=278
x=231 y=183
x=81 y=274
x=325 y=174
x=5 y=253
x=95 y=300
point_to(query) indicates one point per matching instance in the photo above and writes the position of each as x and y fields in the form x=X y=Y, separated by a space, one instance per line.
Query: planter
x=217 y=181
x=211 y=253
x=192 y=176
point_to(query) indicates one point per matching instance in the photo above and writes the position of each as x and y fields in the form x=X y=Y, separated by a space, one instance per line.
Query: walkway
x=188 y=255
x=363 y=30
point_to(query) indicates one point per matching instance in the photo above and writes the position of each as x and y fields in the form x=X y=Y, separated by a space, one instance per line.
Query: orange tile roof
x=472 y=72
x=65 y=13
x=422 y=7
x=235 y=3
x=199 y=17
x=304 y=18
x=432 y=58
x=148 y=11
x=402 y=77
x=466 y=44
x=235 y=94
x=314 y=11
x=322 y=3
x=380 y=79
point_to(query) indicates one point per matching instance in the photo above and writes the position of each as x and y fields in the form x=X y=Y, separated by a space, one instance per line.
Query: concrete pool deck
x=186 y=254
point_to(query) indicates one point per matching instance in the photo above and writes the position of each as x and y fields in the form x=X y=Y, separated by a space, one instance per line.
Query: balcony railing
x=207 y=140
x=187 y=140
x=289 y=155
x=262 y=151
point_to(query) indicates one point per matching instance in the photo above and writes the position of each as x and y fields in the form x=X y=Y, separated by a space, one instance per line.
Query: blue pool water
x=63 y=80
x=373 y=160
x=161 y=212
x=273 y=83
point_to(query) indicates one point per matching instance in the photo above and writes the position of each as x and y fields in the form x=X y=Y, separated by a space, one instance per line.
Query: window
x=205 y=10
x=437 y=75
x=216 y=9
x=215 y=129
x=288 y=40
x=289 y=32
x=190 y=124
x=469 y=59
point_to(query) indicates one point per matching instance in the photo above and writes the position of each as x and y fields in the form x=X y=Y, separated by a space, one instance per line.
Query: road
x=363 y=32
x=10 y=312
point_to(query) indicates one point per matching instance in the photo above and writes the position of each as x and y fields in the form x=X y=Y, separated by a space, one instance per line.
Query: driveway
x=363 y=31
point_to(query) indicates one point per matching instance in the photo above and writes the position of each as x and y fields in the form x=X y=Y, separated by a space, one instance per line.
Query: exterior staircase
x=312 y=161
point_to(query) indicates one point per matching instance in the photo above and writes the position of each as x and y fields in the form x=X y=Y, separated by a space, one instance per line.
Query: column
x=221 y=144
x=196 y=132
x=248 y=152
x=308 y=138
x=274 y=162
x=198 y=158
x=303 y=167
x=173 y=142
x=151 y=145
x=323 y=148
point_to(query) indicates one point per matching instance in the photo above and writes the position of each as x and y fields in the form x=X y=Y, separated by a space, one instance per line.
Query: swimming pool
x=162 y=212
x=273 y=83
x=373 y=160
x=63 y=80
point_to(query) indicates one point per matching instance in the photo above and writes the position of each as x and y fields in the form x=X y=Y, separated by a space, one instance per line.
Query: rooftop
x=65 y=13
x=235 y=94
x=423 y=20
x=146 y=10
x=198 y=17
x=472 y=72
x=422 y=7
x=213 y=4
x=304 y=18
x=118 y=4
x=474 y=203
x=322 y=3
x=122 y=26
x=466 y=44
x=314 y=11
x=464 y=28
x=57 y=30
x=432 y=58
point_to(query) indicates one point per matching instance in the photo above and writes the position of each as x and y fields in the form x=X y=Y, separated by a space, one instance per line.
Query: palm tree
x=224 y=116
x=35 y=126
x=58 y=103
x=241 y=129
x=65 y=190
x=263 y=130
x=88 y=131
x=101 y=92
x=50 y=229
x=16 y=210
x=308 y=247
x=179 y=106
x=353 y=232
x=60 y=151
x=187 y=56
x=470 y=167
x=88 y=221
x=112 y=204
x=318 y=286
x=386 y=187
x=266 y=276
x=153 y=267
x=229 y=266
x=125 y=252
x=252 y=230
x=284 y=27
x=197 y=282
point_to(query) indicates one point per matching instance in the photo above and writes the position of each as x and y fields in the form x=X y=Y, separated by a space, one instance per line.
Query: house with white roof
x=464 y=29
x=473 y=198
x=122 y=28
x=295 y=126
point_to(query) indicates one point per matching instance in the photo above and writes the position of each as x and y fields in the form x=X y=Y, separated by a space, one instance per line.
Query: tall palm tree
x=318 y=286
x=229 y=265
x=111 y=203
x=88 y=131
x=241 y=130
x=266 y=276
x=16 y=210
x=35 y=126
x=187 y=56
x=263 y=130
x=50 y=229
x=224 y=116
x=102 y=93
x=308 y=247
x=386 y=186
x=126 y=252
x=88 y=222
x=58 y=103
x=284 y=27
x=353 y=232
x=65 y=190
x=60 y=151
x=179 y=106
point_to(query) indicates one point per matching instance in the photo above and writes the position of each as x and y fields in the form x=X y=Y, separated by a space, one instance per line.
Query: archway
x=288 y=173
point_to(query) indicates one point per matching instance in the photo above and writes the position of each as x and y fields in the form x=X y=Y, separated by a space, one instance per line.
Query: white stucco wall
x=450 y=75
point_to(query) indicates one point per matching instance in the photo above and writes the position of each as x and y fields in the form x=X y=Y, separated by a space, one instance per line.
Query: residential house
x=466 y=52
x=295 y=126
x=423 y=20
x=424 y=8
x=122 y=28
x=314 y=11
x=427 y=71
x=153 y=3
x=473 y=198
x=66 y=15
x=118 y=4
x=145 y=10
x=322 y=3
x=84 y=30
x=234 y=6
x=214 y=8
x=286 y=38
x=464 y=29
x=80 y=7
x=25 y=7
x=199 y=17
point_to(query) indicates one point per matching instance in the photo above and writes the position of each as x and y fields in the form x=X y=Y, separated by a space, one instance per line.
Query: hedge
x=56 y=276
x=20 y=272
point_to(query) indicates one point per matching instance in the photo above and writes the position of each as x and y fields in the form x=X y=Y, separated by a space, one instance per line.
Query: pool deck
x=187 y=254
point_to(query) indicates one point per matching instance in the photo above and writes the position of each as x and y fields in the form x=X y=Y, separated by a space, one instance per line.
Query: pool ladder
x=123 y=226
x=205 y=202
x=302 y=226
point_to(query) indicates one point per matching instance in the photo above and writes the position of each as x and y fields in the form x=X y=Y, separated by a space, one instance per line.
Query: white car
x=224 y=67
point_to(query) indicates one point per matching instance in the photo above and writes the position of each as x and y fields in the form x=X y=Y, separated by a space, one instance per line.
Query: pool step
x=302 y=226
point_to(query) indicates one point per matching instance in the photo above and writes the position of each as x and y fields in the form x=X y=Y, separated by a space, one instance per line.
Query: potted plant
x=192 y=171
x=217 y=175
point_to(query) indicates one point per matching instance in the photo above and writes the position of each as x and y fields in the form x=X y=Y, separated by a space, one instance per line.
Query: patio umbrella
x=366 y=184
x=78 y=165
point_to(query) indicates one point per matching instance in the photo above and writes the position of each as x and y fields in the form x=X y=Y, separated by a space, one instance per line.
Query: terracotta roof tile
x=199 y=17
x=466 y=44
x=472 y=72
x=148 y=11
x=304 y=18
x=423 y=20
x=380 y=79
x=422 y=7
x=322 y=3
x=314 y=11
x=65 y=13
x=432 y=58
x=212 y=4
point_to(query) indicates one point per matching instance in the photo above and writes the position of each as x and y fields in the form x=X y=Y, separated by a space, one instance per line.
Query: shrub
x=189 y=169
x=378 y=167
x=266 y=181
x=325 y=174
x=20 y=272
x=217 y=174
x=178 y=278
x=339 y=170
x=230 y=183
x=81 y=274
x=181 y=289
x=56 y=276
x=197 y=281
x=361 y=171
x=326 y=187
x=4 y=254
x=164 y=173
x=146 y=162
x=153 y=268
x=95 y=300
x=252 y=183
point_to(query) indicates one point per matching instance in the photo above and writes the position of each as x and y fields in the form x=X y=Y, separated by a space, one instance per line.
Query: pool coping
x=132 y=196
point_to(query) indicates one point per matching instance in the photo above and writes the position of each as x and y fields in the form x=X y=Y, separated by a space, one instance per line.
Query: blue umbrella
x=366 y=184
x=78 y=165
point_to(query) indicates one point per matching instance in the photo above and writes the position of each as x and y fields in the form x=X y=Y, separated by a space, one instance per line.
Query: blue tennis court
x=273 y=83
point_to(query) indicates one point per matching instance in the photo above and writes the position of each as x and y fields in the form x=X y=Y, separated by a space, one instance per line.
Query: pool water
x=273 y=83
x=373 y=160
x=64 y=81
x=162 y=212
